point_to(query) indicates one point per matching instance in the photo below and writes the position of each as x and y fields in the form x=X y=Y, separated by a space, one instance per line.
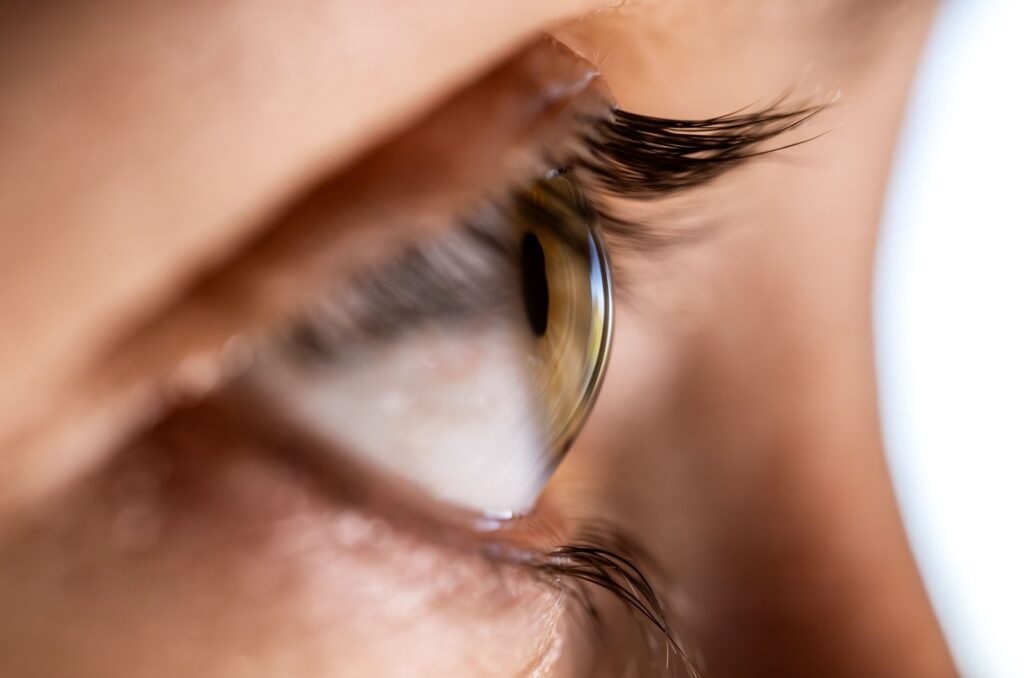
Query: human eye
x=466 y=364
x=437 y=373
x=410 y=423
x=449 y=375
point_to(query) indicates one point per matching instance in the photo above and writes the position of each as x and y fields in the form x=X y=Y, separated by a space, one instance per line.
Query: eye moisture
x=535 y=283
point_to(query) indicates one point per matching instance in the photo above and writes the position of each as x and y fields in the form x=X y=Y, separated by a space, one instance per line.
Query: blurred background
x=950 y=330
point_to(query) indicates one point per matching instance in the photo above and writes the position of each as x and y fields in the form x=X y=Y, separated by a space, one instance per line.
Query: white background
x=950 y=319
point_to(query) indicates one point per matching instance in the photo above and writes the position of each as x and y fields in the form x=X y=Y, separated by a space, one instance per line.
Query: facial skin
x=148 y=152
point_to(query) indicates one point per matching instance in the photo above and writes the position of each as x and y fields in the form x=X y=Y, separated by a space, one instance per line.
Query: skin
x=783 y=533
x=754 y=474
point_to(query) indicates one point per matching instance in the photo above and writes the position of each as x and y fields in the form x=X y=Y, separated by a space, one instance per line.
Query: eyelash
x=603 y=557
x=643 y=157
x=623 y=155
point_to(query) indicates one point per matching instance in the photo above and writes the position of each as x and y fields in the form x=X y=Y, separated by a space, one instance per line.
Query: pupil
x=535 y=284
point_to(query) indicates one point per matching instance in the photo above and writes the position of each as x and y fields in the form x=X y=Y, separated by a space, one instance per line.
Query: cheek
x=180 y=560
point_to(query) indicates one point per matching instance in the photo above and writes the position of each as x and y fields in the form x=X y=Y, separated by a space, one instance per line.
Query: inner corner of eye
x=476 y=407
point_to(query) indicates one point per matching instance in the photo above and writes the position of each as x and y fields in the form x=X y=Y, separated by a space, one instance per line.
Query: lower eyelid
x=219 y=487
x=200 y=525
x=241 y=423
x=212 y=461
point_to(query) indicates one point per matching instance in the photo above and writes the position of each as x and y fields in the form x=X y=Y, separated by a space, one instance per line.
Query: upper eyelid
x=269 y=97
x=409 y=189
x=584 y=126
x=666 y=156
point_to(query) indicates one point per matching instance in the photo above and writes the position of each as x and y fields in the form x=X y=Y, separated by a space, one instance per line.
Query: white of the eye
x=453 y=411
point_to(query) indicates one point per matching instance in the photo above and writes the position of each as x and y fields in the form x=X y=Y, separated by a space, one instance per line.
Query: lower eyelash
x=598 y=555
x=601 y=556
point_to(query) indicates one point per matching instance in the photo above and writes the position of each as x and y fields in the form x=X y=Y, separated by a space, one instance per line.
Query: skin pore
x=149 y=152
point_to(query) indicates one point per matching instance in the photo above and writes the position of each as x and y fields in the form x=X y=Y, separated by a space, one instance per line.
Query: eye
x=568 y=300
x=466 y=366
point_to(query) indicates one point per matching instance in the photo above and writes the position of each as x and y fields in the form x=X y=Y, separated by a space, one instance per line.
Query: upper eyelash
x=629 y=156
x=623 y=155
x=461 y=274
x=640 y=156
x=457 y=275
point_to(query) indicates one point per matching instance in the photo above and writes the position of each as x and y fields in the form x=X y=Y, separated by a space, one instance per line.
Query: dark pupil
x=535 y=284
